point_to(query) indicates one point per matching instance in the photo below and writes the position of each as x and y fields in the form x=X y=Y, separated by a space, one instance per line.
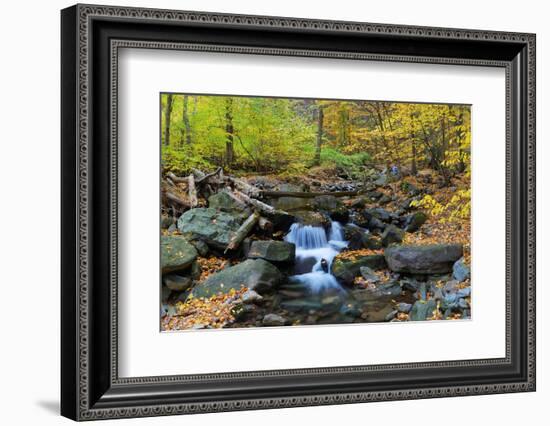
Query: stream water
x=315 y=251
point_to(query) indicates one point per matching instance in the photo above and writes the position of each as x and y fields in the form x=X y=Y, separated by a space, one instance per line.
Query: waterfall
x=307 y=237
x=336 y=233
x=312 y=247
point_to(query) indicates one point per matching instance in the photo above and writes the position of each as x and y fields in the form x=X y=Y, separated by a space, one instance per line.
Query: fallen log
x=198 y=174
x=175 y=178
x=243 y=231
x=176 y=200
x=193 y=200
x=243 y=186
x=209 y=175
x=277 y=194
x=242 y=203
x=258 y=205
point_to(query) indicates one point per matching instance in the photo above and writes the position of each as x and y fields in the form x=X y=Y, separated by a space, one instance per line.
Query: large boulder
x=307 y=217
x=256 y=274
x=422 y=310
x=281 y=220
x=461 y=271
x=380 y=213
x=209 y=225
x=359 y=238
x=414 y=221
x=177 y=282
x=272 y=251
x=346 y=270
x=226 y=203
x=273 y=320
x=392 y=234
x=428 y=259
x=177 y=254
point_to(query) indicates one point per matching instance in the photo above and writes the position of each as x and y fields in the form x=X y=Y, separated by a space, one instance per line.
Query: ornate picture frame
x=91 y=38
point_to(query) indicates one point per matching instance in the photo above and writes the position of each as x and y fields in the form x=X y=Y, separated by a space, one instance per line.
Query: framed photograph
x=263 y=212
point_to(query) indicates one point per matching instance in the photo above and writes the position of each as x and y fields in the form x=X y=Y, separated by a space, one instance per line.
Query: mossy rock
x=177 y=254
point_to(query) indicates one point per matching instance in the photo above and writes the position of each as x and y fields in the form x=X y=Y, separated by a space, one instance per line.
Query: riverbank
x=287 y=253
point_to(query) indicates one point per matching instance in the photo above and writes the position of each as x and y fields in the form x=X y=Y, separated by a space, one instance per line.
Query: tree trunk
x=192 y=191
x=277 y=194
x=319 y=143
x=167 y=116
x=260 y=206
x=413 y=165
x=186 y=124
x=229 y=131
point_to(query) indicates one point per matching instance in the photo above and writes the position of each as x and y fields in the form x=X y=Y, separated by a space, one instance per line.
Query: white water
x=312 y=242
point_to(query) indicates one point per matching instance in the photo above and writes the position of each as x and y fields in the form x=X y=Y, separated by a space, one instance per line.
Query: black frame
x=91 y=37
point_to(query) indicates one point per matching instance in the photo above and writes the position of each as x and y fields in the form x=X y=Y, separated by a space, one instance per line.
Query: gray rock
x=281 y=220
x=374 y=195
x=410 y=284
x=177 y=254
x=381 y=181
x=451 y=287
x=273 y=320
x=346 y=270
x=251 y=296
x=307 y=217
x=359 y=238
x=177 y=282
x=224 y=202
x=376 y=224
x=385 y=199
x=405 y=204
x=304 y=265
x=404 y=307
x=463 y=304
x=437 y=293
x=423 y=291
x=391 y=235
x=340 y=214
x=272 y=251
x=166 y=221
x=201 y=247
x=390 y=316
x=461 y=271
x=210 y=225
x=170 y=310
x=380 y=213
x=414 y=221
x=255 y=274
x=450 y=301
x=240 y=311
x=429 y=259
x=368 y=274
x=371 y=242
x=351 y=309
x=165 y=293
x=422 y=310
x=464 y=292
x=301 y=305
x=326 y=202
x=391 y=288
x=331 y=302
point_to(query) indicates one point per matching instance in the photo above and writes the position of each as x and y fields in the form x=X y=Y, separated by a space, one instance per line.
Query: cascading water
x=315 y=253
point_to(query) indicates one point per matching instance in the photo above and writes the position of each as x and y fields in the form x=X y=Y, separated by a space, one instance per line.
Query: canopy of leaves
x=288 y=136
